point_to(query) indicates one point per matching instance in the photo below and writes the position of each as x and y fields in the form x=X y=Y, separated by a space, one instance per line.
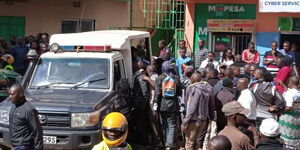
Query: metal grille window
x=162 y=14
x=77 y=25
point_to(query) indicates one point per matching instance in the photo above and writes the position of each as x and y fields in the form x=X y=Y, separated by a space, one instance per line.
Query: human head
x=274 y=45
x=242 y=84
x=219 y=142
x=269 y=128
x=12 y=37
x=168 y=68
x=153 y=61
x=181 y=44
x=45 y=37
x=201 y=43
x=189 y=70
x=196 y=77
x=21 y=41
x=284 y=61
x=211 y=56
x=15 y=93
x=114 y=129
x=182 y=53
x=211 y=73
x=235 y=69
x=286 y=46
x=247 y=69
x=44 y=47
x=34 y=45
x=229 y=54
x=258 y=74
x=235 y=113
x=294 y=47
x=228 y=73
x=151 y=69
x=237 y=58
x=226 y=82
x=294 y=82
x=252 y=69
x=251 y=46
x=162 y=44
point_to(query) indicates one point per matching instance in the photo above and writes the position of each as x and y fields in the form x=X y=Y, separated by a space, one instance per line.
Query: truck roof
x=115 y=38
x=81 y=55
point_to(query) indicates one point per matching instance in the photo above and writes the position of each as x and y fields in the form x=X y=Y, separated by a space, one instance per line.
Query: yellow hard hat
x=115 y=121
x=8 y=58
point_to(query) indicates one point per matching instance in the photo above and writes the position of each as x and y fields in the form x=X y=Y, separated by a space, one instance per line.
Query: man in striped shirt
x=271 y=59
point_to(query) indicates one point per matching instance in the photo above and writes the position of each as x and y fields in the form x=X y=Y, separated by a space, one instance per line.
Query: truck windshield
x=70 y=72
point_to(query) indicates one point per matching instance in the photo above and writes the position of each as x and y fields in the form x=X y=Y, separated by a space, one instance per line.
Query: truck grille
x=55 y=119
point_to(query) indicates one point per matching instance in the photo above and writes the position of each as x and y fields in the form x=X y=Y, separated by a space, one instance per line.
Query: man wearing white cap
x=269 y=133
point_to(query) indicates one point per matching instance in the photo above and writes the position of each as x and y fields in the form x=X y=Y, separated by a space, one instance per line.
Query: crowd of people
x=206 y=103
x=231 y=103
x=18 y=47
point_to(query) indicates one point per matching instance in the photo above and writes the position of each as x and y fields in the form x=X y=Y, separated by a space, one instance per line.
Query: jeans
x=23 y=147
x=168 y=122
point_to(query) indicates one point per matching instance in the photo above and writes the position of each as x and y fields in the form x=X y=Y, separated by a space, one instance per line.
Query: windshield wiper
x=89 y=81
x=48 y=85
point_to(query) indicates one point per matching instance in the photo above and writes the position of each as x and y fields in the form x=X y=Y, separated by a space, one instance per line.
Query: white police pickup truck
x=84 y=77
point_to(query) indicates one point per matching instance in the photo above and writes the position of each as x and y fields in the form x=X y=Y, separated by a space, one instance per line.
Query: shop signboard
x=279 y=6
x=231 y=25
x=203 y=12
x=288 y=24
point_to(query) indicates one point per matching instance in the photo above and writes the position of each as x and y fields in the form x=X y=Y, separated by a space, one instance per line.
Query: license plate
x=49 y=139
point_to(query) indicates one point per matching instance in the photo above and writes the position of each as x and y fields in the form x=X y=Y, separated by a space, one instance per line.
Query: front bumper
x=66 y=139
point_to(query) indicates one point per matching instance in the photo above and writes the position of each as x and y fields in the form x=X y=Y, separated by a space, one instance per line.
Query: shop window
x=77 y=25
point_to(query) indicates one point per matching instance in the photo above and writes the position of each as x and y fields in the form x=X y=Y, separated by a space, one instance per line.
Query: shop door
x=12 y=25
x=237 y=41
x=294 y=39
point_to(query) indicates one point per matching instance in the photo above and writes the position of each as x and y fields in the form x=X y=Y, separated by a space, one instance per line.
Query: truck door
x=121 y=87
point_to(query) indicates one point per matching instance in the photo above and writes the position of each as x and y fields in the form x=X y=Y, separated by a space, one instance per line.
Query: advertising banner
x=292 y=6
x=230 y=25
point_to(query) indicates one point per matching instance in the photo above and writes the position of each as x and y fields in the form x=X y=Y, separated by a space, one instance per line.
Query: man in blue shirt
x=286 y=51
x=181 y=60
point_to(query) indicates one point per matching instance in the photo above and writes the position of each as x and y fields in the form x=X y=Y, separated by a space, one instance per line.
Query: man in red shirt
x=250 y=55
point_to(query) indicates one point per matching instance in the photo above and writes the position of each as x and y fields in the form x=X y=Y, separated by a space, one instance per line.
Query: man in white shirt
x=210 y=60
x=247 y=99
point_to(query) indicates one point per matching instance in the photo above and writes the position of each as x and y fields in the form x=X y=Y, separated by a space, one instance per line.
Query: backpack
x=169 y=87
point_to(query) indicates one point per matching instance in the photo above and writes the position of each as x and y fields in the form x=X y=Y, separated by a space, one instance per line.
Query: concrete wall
x=45 y=15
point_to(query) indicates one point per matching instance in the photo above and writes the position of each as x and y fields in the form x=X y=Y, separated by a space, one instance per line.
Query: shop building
x=232 y=24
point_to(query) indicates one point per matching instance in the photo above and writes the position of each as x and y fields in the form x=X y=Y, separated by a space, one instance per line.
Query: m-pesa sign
x=225 y=8
x=230 y=25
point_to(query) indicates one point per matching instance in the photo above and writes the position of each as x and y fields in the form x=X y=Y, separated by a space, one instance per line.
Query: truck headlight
x=4 y=117
x=84 y=119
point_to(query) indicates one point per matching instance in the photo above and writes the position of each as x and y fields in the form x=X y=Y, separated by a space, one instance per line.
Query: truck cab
x=84 y=77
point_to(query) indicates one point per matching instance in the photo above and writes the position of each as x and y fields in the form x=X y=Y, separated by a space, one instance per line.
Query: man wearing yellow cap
x=114 y=133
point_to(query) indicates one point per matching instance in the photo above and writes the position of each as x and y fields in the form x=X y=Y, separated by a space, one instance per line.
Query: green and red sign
x=205 y=12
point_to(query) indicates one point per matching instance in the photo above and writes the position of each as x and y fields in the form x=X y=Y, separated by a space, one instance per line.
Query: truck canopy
x=117 y=39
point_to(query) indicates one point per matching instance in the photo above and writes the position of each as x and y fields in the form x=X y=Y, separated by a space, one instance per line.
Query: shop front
x=225 y=26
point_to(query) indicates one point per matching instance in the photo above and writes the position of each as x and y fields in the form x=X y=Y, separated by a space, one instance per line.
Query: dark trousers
x=202 y=133
x=23 y=147
x=156 y=131
x=142 y=126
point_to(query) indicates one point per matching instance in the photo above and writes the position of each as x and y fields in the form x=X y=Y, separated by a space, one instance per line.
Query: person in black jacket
x=24 y=126
x=141 y=94
x=167 y=106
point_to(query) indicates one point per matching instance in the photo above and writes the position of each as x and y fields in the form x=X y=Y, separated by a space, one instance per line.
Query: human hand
x=272 y=109
x=146 y=78
x=183 y=129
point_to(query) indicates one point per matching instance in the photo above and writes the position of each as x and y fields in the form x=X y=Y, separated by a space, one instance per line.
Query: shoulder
x=29 y=106
x=101 y=146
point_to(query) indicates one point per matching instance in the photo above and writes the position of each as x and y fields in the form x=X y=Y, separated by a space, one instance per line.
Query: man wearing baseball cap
x=236 y=116
x=269 y=133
